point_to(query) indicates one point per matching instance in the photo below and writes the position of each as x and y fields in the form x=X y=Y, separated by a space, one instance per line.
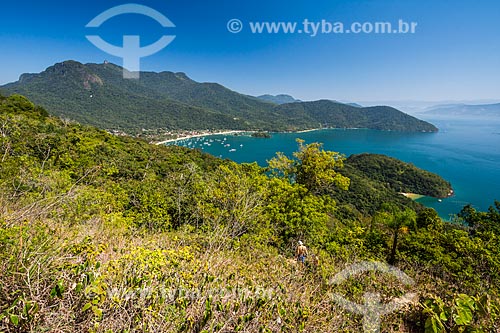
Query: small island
x=264 y=135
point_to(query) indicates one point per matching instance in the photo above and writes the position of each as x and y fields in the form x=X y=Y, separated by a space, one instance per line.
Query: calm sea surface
x=465 y=152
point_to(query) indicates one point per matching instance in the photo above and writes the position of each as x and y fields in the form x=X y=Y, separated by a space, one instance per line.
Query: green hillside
x=337 y=115
x=100 y=233
x=97 y=95
x=400 y=176
x=376 y=179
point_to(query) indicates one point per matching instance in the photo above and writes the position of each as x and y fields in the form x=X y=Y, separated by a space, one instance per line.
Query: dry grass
x=105 y=277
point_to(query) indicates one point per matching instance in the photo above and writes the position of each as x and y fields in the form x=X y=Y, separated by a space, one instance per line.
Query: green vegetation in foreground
x=100 y=233
x=159 y=103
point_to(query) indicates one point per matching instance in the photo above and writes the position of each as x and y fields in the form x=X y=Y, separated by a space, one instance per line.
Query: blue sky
x=454 y=54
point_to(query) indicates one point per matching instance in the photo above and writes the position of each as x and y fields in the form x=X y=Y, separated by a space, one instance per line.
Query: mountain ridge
x=98 y=95
x=278 y=99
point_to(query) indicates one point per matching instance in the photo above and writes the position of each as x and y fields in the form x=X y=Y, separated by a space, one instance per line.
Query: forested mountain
x=400 y=176
x=338 y=115
x=97 y=94
x=104 y=233
x=278 y=99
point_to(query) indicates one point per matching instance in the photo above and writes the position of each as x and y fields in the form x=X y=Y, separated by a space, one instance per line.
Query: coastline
x=229 y=132
x=308 y=130
x=199 y=135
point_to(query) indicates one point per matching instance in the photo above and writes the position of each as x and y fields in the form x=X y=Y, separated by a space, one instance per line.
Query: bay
x=465 y=152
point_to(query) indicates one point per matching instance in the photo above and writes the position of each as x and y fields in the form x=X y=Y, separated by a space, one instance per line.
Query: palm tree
x=398 y=222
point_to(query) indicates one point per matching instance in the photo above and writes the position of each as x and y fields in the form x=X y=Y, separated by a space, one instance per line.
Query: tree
x=298 y=202
x=296 y=213
x=398 y=222
x=481 y=221
x=313 y=167
x=429 y=218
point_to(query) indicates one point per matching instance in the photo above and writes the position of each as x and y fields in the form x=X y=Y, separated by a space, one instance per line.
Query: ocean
x=466 y=152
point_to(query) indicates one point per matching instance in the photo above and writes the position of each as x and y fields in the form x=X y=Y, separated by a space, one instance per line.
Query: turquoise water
x=465 y=152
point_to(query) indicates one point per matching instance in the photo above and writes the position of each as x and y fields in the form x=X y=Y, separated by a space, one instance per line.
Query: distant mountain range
x=356 y=105
x=97 y=94
x=483 y=110
x=284 y=99
x=278 y=99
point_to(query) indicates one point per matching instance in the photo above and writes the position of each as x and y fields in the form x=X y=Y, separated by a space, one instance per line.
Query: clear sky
x=454 y=53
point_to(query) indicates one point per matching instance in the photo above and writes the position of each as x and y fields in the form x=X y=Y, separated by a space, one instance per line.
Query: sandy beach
x=309 y=130
x=229 y=132
x=186 y=137
x=413 y=196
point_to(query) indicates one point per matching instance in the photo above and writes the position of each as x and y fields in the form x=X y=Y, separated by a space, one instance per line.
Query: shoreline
x=412 y=196
x=191 y=136
x=228 y=132
x=307 y=130
x=325 y=128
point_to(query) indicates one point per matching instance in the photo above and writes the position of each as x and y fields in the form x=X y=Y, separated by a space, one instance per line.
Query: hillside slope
x=100 y=233
x=400 y=176
x=327 y=113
